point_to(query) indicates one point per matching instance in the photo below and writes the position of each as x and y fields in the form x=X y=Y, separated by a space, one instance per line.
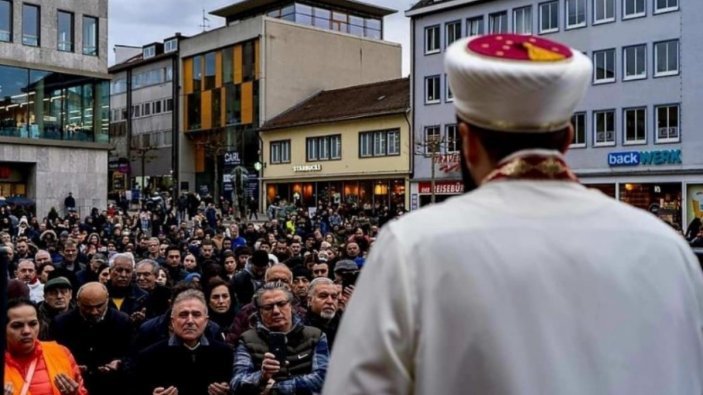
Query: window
x=432 y=39
x=379 y=143
x=90 y=36
x=474 y=26
x=635 y=62
x=156 y=107
x=169 y=105
x=633 y=9
x=432 y=89
x=603 y=11
x=280 y=151
x=665 y=6
x=149 y=52
x=575 y=13
x=451 y=133
x=64 y=31
x=549 y=17
x=604 y=66
x=209 y=70
x=171 y=45
x=146 y=109
x=324 y=148
x=498 y=22
x=604 y=127
x=522 y=20
x=449 y=95
x=635 y=125
x=666 y=58
x=667 y=123
x=579 y=123
x=432 y=139
x=452 y=32
x=30 y=25
x=5 y=20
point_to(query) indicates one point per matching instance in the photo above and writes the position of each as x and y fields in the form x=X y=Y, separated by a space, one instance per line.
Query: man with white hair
x=124 y=295
x=323 y=307
x=590 y=296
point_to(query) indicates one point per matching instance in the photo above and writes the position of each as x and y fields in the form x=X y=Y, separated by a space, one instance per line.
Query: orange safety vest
x=57 y=359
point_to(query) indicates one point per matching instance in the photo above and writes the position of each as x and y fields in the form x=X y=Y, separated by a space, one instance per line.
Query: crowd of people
x=147 y=303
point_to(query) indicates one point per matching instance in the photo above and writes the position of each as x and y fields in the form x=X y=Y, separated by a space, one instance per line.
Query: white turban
x=516 y=83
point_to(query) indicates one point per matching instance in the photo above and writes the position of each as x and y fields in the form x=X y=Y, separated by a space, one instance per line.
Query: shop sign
x=442 y=187
x=232 y=158
x=448 y=163
x=307 y=168
x=637 y=158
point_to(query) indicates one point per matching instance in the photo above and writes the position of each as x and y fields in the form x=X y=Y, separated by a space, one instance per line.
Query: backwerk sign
x=645 y=158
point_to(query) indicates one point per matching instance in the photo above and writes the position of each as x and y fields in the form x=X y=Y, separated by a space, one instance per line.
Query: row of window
x=548 y=19
x=634 y=62
x=153 y=140
x=377 y=143
x=634 y=67
x=143 y=110
x=142 y=79
x=634 y=126
x=31 y=28
x=170 y=45
x=329 y=19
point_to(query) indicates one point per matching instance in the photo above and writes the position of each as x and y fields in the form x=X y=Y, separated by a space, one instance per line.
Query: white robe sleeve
x=375 y=346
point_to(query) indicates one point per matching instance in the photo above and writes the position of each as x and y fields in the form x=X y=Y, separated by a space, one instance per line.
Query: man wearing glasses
x=98 y=337
x=298 y=367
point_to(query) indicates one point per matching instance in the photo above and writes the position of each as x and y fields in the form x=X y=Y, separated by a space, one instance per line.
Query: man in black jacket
x=99 y=338
x=247 y=281
x=188 y=363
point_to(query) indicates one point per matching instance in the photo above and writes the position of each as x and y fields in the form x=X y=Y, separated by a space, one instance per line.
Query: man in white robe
x=532 y=283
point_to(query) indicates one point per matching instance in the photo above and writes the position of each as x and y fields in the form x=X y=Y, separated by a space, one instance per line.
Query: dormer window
x=149 y=52
x=171 y=45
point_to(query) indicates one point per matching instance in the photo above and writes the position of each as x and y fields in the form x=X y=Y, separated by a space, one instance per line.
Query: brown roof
x=361 y=101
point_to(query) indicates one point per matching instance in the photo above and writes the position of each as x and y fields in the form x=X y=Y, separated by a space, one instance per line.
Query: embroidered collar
x=540 y=165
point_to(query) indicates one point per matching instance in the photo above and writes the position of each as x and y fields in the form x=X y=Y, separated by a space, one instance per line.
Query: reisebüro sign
x=645 y=158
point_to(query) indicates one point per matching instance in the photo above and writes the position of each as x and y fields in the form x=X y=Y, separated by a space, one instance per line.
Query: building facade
x=634 y=138
x=348 y=146
x=261 y=63
x=54 y=102
x=144 y=126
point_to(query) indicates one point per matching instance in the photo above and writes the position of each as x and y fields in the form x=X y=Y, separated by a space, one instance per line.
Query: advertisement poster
x=694 y=202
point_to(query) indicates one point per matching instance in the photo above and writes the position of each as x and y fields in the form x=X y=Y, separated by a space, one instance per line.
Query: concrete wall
x=299 y=61
x=47 y=57
x=59 y=170
x=350 y=165
x=647 y=92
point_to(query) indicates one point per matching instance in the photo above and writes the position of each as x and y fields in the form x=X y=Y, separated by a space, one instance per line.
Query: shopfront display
x=13 y=179
x=388 y=192
x=661 y=199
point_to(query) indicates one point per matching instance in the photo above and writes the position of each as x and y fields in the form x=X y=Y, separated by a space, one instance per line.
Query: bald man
x=98 y=336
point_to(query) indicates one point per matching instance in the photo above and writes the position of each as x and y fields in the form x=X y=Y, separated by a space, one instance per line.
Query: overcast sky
x=139 y=22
